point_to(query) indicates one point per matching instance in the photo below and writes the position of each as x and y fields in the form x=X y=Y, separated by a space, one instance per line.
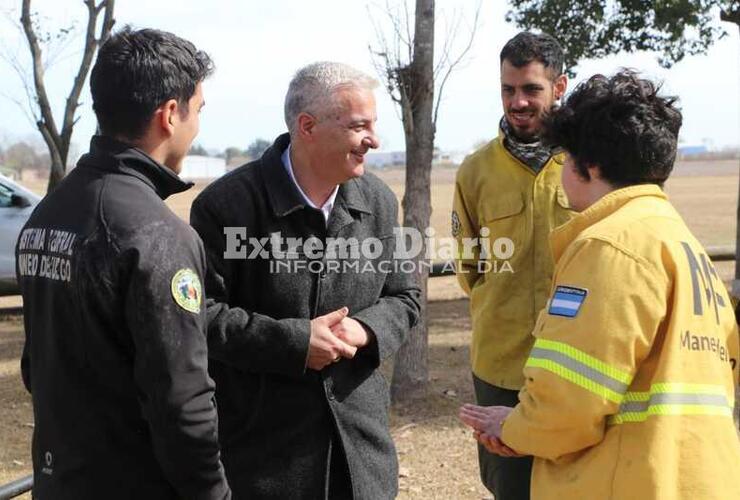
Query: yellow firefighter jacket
x=630 y=383
x=512 y=210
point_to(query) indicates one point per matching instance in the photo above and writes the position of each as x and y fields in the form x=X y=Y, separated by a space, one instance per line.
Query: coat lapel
x=350 y=205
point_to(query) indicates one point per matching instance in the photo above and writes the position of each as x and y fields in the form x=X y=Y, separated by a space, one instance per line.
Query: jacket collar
x=564 y=235
x=556 y=158
x=112 y=155
x=283 y=194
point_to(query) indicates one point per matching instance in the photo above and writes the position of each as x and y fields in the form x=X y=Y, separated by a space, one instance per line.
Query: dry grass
x=704 y=194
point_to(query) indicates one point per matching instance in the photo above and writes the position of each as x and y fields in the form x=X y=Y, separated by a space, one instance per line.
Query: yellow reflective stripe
x=621 y=418
x=576 y=378
x=586 y=359
x=672 y=387
x=670 y=399
x=637 y=396
x=580 y=368
x=687 y=388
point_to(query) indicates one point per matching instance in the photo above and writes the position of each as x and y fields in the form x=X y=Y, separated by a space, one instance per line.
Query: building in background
x=197 y=167
x=686 y=151
x=388 y=159
x=385 y=159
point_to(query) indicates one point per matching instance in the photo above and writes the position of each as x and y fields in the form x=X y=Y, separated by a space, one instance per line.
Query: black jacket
x=115 y=354
x=276 y=417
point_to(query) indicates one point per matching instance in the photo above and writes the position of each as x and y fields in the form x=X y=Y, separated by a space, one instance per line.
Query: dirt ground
x=437 y=455
x=16 y=418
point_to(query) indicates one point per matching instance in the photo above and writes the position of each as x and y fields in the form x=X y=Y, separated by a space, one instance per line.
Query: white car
x=16 y=205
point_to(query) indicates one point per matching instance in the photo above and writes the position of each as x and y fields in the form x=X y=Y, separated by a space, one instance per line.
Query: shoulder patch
x=455 y=224
x=567 y=301
x=186 y=290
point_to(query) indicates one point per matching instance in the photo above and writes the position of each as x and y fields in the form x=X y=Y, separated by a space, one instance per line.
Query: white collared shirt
x=327 y=207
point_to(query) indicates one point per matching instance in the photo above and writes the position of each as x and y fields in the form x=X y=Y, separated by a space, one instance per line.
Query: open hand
x=486 y=422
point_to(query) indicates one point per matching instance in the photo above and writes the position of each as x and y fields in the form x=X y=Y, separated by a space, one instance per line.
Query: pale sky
x=258 y=45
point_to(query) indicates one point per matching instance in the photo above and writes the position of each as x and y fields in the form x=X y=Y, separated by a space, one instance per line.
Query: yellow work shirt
x=630 y=385
x=515 y=208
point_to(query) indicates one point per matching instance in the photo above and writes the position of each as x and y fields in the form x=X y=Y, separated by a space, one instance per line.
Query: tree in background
x=406 y=63
x=21 y=156
x=257 y=147
x=232 y=152
x=198 y=150
x=597 y=28
x=58 y=140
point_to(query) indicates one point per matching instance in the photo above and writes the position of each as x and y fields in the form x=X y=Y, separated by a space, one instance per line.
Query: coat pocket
x=504 y=227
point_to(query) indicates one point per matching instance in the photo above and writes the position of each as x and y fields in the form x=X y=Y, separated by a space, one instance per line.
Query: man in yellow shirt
x=630 y=385
x=508 y=195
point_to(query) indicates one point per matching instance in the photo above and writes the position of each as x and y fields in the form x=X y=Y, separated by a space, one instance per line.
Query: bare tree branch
x=59 y=143
x=51 y=144
x=31 y=108
x=42 y=98
x=108 y=20
x=456 y=63
x=24 y=108
x=449 y=39
x=60 y=52
x=91 y=45
x=407 y=23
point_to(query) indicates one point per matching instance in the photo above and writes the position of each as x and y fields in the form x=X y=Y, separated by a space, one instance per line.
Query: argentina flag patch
x=567 y=301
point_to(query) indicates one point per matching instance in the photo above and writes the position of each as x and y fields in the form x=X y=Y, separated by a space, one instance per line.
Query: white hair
x=312 y=88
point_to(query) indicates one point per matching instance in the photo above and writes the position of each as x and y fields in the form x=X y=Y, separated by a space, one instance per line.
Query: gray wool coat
x=277 y=418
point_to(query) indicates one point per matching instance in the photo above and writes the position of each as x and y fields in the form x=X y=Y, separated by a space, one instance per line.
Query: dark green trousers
x=506 y=478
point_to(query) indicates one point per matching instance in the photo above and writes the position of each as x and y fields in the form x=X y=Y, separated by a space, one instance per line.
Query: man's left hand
x=352 y=332
x=487 y=422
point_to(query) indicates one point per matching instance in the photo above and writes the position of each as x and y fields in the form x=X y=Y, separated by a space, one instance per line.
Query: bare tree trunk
x=411 y=371
x=58 y=142
x=56 y=172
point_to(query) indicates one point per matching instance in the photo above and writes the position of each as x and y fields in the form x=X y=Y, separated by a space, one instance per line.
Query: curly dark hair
x=527 y=47
x=619 y=124
x=138 y=70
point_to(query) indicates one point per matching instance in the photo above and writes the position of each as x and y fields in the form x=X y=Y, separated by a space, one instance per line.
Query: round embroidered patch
x=186 y=290
x=456 y=227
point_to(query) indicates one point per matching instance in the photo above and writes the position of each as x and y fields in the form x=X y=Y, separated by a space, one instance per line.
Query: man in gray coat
x=301 y=244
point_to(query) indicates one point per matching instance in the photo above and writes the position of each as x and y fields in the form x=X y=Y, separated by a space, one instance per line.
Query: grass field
x=437 y=455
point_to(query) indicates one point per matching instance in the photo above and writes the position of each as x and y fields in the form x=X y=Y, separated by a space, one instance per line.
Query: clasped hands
x=487 y=422
x=335 y=336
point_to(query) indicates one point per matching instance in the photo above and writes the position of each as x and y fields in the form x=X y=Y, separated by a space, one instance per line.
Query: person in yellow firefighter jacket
x=630 y=385
x=507 y=199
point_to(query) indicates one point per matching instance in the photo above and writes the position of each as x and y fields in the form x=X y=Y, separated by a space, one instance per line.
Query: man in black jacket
x=115 y=354
x=299 y=233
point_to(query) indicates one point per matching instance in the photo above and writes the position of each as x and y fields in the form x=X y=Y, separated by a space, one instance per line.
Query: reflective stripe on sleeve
x=580 y=368
x=674 y=399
